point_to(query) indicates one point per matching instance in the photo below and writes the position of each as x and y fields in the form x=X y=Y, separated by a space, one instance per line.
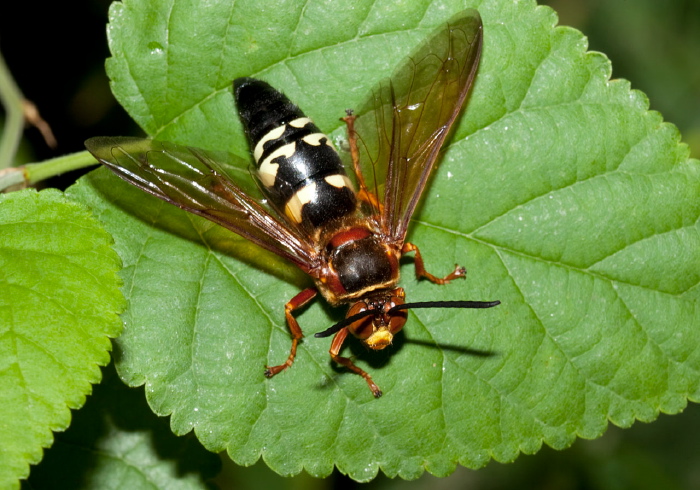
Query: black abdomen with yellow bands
x=298 y=167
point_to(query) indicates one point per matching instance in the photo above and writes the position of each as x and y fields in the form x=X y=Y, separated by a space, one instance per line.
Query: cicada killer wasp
x=348 y=240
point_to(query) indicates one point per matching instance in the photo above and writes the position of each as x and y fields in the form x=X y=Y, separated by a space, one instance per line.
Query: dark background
x=56 y=52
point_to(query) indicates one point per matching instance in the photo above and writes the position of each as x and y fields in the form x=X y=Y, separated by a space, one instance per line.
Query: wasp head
x=377 y=322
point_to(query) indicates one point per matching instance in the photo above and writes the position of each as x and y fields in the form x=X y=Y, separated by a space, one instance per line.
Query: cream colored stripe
x=339 y=181
x=303 y=196
x=272 y=135
x=300 y=122
x=268 y=170
x=314 y=139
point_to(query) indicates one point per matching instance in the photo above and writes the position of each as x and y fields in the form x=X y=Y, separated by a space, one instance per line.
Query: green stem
x=32 y=173
x=11 y=99
x=56 y=166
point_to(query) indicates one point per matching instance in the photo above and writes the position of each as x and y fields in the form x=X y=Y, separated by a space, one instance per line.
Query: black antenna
x=344 y=323
x=446 y=304
x=405 y=306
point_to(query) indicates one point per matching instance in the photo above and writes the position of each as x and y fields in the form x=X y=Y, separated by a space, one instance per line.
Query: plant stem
x=56 y=166
x=34 y=172
x=14 y=124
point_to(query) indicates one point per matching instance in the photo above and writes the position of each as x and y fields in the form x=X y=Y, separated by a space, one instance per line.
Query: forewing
x=191 y=179
x=411 y=114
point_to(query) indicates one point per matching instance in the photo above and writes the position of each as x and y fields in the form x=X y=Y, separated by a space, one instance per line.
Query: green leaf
x=560 y=192
x=116 y=438
x=59 y=301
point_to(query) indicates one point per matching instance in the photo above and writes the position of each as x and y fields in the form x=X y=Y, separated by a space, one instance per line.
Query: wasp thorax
x=363 y=263
x=377 y=331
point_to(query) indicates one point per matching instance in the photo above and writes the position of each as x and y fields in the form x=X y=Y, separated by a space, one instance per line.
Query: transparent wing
x=191 y=179
x=409 y=117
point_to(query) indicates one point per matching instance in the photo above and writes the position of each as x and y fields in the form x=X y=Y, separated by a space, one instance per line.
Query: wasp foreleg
x=295 y=303
x=336 y=345
x=420 y=267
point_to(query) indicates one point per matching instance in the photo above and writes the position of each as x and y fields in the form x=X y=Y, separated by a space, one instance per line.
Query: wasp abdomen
x=298 y=167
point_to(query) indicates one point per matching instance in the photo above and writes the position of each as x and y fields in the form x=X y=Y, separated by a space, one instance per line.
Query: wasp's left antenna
x=407 y=306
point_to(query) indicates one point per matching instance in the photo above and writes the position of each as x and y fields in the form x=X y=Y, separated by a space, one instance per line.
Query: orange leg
x=420 y=267
x=363 y=194
x=336 y=345
x=295 y=303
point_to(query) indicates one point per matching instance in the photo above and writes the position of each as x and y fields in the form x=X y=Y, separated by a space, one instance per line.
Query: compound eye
x=397 y=319
x=362 y=328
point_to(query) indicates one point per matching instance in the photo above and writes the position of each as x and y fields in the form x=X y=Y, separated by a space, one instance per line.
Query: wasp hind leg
x=336 y=345
x=364 y=193
x=298 y=301
x=420 y=267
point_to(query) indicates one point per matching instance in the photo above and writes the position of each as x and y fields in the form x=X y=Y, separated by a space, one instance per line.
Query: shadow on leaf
x=114 y=433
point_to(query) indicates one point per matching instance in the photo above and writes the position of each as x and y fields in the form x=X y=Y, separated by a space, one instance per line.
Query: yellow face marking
x=339 y=181
x=271 y=136
x=268 y=170
x=303 y=196
x=379 y=339
x=300 y=122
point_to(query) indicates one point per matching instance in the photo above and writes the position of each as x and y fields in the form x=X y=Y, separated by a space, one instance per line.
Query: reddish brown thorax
x=358 y=264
